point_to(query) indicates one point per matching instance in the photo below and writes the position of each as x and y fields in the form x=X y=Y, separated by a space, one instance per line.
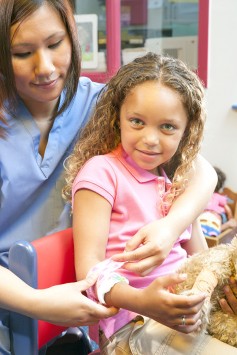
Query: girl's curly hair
x=102 y=134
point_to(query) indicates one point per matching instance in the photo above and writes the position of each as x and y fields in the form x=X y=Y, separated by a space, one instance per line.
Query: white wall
x=220 y=142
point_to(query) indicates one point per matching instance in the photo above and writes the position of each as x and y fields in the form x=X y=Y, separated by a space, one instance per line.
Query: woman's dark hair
x=16 y=11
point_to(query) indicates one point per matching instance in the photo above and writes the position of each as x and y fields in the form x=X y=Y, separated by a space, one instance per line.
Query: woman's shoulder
x=86 y=95
x=86 y=83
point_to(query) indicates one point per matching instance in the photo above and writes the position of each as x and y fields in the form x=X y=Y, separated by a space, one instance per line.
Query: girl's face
x=152 y=122
x=41 y=56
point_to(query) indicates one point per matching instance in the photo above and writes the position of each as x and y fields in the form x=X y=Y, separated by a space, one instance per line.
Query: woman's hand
x=152 y=243
x=149 y=247
x=65 y=305
x=230 y=305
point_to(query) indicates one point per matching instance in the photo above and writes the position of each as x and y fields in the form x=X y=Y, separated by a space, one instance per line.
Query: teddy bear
x=208 y=271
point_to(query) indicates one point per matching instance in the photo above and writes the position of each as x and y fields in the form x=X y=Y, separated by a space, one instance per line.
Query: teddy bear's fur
x=220 y=261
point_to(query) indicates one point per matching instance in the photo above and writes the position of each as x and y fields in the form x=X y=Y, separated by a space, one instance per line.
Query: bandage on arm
x=107 y=278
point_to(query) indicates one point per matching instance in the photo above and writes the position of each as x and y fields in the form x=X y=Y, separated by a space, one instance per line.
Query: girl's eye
x=55 y=45
x=168 y=127
x=136 y=122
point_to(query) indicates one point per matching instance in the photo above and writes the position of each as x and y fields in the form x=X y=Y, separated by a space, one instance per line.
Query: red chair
x=43 y=263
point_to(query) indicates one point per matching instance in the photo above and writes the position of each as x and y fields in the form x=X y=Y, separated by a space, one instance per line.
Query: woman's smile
x=46 y=85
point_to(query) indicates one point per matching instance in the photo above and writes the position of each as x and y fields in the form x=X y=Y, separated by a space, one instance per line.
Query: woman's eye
x=55 y=45
x=21 y=55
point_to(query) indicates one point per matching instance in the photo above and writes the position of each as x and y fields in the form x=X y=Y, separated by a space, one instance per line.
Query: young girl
x=146 y=131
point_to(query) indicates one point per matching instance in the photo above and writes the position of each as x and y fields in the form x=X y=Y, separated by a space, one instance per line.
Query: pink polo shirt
x=135 y=200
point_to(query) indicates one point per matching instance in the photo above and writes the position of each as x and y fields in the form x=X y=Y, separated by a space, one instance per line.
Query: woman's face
x=41 y=56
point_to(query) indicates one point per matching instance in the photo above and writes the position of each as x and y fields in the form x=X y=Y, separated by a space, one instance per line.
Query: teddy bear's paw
x=223 y=327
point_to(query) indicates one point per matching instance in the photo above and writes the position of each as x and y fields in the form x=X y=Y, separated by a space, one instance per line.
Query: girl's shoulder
x=98 y=171
x=100 y=162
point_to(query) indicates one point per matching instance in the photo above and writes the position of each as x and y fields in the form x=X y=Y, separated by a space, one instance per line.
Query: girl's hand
x=149 y=247
x=230 y=305
x=168 y=308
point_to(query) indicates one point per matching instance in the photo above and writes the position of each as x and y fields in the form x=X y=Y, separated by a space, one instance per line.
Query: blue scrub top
x=31 y=203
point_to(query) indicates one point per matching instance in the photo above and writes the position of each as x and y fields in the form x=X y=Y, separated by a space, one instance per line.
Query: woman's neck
x=43 y=115
x=44 y=126
x=41 y=111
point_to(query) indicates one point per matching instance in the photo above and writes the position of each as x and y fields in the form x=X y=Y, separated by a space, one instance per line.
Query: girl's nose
x=151 y=138
x=44 y=66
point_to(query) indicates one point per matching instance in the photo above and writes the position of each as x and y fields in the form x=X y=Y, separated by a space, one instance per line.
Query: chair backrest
x=45 y=262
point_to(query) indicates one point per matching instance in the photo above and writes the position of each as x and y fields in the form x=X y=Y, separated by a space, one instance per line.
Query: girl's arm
x=197 y=242
x=156 y=239
x=91 y=221
x=63 y=304
x=156 y=302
